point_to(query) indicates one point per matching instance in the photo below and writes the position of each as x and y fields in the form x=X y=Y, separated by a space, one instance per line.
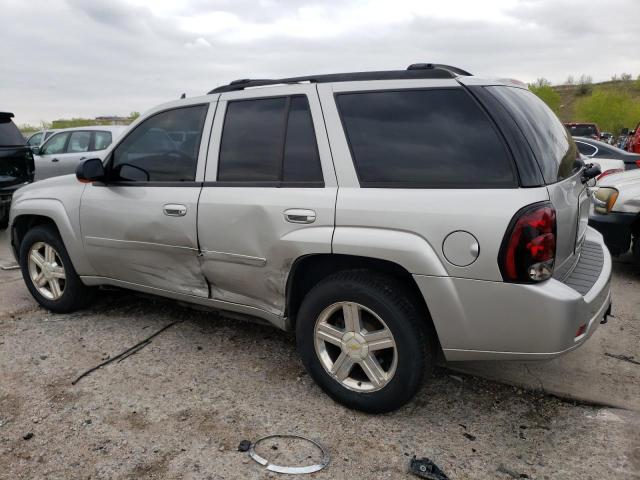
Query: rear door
x=558 y=159
x=269 y=194
x=77 y=150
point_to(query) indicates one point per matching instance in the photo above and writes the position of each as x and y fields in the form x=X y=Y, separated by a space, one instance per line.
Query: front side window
x=55 y=144
x=269 y=140
x=432 y=138
x=79 y=142
x=163 y=148
x=102 y=140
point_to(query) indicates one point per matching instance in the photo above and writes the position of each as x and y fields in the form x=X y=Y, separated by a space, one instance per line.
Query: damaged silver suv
x=384 y=217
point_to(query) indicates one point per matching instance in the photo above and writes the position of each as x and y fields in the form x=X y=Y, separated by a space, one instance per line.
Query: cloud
x=90 y=58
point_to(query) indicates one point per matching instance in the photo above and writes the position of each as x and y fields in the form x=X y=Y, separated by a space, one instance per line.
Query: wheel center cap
x=355 y=346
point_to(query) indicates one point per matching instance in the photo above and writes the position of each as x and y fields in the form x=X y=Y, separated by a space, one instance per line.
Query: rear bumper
x=615 y=227
x=483 y=320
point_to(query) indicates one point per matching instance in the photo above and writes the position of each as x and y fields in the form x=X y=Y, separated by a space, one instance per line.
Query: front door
x=139 y=227
x=269 y=194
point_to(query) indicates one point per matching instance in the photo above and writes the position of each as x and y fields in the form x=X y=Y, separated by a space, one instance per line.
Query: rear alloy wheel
x=364 y=340
x=356 y=347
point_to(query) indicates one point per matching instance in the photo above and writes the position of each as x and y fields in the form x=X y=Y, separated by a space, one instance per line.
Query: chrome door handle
x=174 y=210
x=299 y=215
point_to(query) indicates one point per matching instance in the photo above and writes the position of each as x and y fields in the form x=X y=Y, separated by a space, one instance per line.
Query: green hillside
x=612 y=105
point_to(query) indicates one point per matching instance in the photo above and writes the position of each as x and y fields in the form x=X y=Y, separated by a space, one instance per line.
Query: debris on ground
x=624 y=358
x=425 y=468
x=469 y=436
x=512 y=473
x=12 y=266
x=28 y=436
x=244 y=446
x=127 y=353
x=289 y=469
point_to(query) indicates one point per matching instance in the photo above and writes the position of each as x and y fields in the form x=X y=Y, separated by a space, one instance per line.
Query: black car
x=596 y=149
x=16 y=164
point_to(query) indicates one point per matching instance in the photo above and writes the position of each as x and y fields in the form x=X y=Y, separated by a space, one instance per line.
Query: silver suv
x=384 y=217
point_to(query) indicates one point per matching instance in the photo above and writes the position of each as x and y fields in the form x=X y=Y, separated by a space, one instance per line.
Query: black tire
x=635 y=249
x=414 y=337
x=75 y=294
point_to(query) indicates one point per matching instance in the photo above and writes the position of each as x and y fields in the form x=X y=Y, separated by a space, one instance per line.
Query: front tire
x=364 y=341
x=48 y=272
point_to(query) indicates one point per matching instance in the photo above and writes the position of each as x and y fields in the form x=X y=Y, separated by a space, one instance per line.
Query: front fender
x=66 y=219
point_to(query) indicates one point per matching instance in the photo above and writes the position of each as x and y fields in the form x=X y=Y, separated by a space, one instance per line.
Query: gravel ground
x=179 y=407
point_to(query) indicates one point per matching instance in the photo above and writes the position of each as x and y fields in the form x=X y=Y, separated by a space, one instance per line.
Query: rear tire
x=4 y=218
x=364 y=341
x=48 y=272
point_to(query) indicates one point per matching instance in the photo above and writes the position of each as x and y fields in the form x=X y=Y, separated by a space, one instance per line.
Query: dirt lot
x=179 y=407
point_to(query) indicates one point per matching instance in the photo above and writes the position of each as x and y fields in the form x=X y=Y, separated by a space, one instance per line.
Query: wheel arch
x=308 y=270
x=29 y=213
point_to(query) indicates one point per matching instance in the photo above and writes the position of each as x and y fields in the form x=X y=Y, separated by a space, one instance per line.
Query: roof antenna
x=184 y=95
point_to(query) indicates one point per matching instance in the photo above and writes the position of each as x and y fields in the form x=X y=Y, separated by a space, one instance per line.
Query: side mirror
x=36 y=150
x=591 y=171
x=91 y=170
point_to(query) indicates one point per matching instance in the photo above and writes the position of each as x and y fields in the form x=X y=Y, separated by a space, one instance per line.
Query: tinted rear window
x=552 y=145
x=10 y=136
x=435 y=138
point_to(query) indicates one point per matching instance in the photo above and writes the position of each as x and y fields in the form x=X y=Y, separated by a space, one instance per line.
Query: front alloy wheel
x=46 y=271
x=355 y=346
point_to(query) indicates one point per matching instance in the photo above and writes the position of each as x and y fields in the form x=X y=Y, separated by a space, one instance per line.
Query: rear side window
x=10 y=136
x=163 y=148
x=436 y=138
x=552 y=145
x=269 y=140
x=79 y=142
x=102 y=140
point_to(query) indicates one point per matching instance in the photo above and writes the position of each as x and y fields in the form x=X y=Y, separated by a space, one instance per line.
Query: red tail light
x=609 y=172
x=528 y=249
x=638 y=163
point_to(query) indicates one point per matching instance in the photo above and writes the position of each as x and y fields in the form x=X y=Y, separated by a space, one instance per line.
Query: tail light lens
x=638 y=163
x=528 y=249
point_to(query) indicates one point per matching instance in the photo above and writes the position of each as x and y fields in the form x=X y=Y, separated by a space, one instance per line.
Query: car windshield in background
x=10 y=136
x=554 y=148
x=582 y=130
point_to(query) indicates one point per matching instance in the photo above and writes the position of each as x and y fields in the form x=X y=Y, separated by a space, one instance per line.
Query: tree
x=548 y=96
x=134 y=115
x=541 y=82
x=626 y=77
x=611 y=109
x=584 y=84
x=570 y=80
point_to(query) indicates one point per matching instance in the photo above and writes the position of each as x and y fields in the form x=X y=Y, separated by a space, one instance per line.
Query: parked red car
x=633 y=143
x=583 y=130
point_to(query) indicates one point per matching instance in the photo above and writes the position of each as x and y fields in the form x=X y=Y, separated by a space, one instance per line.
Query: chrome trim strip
x=112 y=242
x=234 y=258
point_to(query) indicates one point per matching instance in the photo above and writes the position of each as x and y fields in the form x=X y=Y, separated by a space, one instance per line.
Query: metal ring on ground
x=291 y=470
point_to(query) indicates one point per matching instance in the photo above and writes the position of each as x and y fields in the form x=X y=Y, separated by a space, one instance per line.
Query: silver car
x=61 y=152
x=384 y=217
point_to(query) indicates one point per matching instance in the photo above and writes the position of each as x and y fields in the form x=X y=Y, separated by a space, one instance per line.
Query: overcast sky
x=68 y=58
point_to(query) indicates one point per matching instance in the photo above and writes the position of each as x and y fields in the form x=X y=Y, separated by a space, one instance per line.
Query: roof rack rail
x=414 y=71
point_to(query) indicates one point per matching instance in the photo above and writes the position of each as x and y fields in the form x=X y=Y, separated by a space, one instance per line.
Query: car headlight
x=604 y=198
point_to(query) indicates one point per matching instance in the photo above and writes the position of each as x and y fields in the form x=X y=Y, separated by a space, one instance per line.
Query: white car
x=61 y=153
x=608 y=166
x=616 y=212
x=38 y=138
